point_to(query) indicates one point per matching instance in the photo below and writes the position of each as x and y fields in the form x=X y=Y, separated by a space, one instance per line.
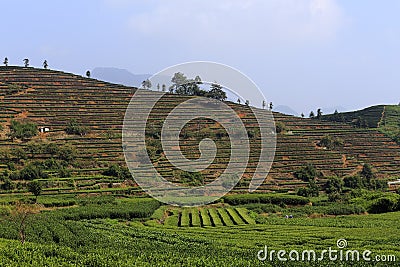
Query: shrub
x=138 y=209
x=306 y=173
x=384 y=204
x=118 y=171
x=190 y=178
x=35 y=188
x=263 y=208
x=7 y=184
x=20 y=130
x=73 y=127
x=67 y=153
x=330 y=142
x=280 y=127
x=31 y=172
x=334 y=184
x=354 y=182
x=276 y=199
x=367 y=172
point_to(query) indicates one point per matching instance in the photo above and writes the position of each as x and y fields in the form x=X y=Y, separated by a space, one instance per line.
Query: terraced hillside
x=386 y=118
x=370 y=117
x=54 y=99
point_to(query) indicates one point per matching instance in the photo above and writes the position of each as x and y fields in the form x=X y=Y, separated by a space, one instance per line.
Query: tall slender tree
x=319 y=114
x=5 y=62
x=26 y=62
x=45 y=64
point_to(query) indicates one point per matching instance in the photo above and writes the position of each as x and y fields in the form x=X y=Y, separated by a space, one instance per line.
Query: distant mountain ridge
x=119 y=76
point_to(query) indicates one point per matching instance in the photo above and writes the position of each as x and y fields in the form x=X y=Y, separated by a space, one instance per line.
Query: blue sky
x=302 y=53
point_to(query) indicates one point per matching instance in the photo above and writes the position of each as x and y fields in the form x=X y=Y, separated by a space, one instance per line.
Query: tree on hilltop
x=319 y=114
x=26 y=62
x=45 y=64
x=5 y=62
x=178 y=80
x=216 y=92
x=146 y=84
x=88 y=74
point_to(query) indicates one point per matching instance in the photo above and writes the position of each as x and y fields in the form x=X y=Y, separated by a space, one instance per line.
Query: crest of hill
x=385 y=118
x=52 y=98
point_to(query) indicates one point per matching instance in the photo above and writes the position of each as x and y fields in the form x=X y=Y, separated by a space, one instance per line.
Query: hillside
x=54 y=99
x=386 y=118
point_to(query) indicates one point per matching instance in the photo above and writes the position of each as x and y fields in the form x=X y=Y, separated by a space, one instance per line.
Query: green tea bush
x=276 y=199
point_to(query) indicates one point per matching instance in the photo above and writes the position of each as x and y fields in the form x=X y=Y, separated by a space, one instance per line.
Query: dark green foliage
x=32 y=171
x=312 y=190
x=118 y=210
x=330 y=142
x=67 y=153
x=367 y=172
x=263 y=208
x=365 y=180
x=35 y=188
x=266 y=198
x=354 y=182
x=74 y=127
x=306 y=173
x=384 y=204
x=280 y=127
x=334 y=185
x=184 y=86
x=7 y=184
x=398 y=191
x=118 y=171
x=19 y=153
x=319 y=114
x=216 y=92
x=22 y=130
x=190 y=178
x=369 y=117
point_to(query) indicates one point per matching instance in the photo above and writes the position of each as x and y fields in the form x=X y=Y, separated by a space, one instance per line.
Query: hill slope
x=386 y=118
x=52 y=98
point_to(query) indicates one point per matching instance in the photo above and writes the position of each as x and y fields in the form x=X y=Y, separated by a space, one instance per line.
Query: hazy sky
x=302 y=53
